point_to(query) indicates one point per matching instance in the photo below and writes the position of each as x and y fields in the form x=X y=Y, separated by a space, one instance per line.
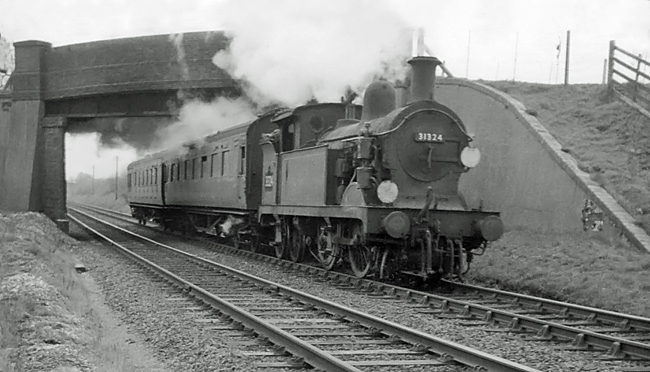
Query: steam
x=84 y=153
x=177 y=40
x=284 y=52
x=228 y=224
x=293 y=51
x=198 y=119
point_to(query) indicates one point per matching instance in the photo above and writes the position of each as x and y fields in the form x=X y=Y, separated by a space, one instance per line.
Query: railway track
x=610 y=335
x=315 y=332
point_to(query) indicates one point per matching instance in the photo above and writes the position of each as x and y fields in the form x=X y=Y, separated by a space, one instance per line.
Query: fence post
x=566 y=62
x=636 y=78
x=610 y=71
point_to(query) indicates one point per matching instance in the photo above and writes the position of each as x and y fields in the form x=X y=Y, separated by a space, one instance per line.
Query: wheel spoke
x=296 y=245
x=360 y=260
x=328 y=252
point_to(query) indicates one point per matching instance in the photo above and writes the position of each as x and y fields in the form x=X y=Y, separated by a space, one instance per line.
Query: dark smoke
x=137 y=132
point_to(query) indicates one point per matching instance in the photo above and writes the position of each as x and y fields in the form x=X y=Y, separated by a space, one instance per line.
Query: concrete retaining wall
x=523 y=172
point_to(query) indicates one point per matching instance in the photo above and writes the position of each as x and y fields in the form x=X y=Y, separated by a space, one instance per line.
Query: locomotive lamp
x=470 y=157
x=387 y=191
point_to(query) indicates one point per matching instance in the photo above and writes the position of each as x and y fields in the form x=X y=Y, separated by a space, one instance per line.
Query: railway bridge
x=54 y=88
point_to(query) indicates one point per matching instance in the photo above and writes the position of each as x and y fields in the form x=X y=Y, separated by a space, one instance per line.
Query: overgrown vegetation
x=47 y=317
x=592 y=269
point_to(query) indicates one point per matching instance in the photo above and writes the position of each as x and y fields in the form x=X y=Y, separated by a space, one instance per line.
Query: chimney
x=423 y=78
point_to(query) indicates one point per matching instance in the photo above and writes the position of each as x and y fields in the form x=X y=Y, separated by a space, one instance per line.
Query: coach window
x=155 y=176
x=195 y=167
x=204 y=164
x=187 y=165
x=224 y=155
x=213 y=164
x=172 y=173
x=242 y=159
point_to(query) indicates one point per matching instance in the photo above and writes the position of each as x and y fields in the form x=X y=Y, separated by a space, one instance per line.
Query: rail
x=311 y=354
x=547 y=319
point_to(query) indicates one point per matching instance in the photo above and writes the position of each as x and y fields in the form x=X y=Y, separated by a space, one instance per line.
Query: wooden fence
x=627 y=79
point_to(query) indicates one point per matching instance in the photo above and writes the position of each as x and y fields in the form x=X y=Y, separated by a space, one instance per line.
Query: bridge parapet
x=141 y=64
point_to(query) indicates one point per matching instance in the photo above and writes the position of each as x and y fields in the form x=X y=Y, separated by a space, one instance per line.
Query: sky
x=477 y=39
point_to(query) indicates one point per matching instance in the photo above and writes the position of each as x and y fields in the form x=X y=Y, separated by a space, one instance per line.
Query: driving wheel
x=296 y=244
x=359 y=254
x=328 y=252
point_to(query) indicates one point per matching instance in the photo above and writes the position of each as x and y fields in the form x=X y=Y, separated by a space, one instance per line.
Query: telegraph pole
x=514 y=72
x=469 y=39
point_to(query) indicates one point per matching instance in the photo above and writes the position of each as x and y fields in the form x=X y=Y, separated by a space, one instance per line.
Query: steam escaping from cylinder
x=294 y=51
x=227 y=225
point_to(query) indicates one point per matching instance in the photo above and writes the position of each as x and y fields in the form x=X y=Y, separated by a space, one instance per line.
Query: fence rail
x=630 y=82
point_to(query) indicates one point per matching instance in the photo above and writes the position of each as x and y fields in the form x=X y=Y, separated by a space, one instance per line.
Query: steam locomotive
x=375 y=187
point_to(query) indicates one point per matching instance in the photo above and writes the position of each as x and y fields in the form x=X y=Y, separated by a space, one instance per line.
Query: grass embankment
x=611 y=142
x=48 y=319
x=591 y=269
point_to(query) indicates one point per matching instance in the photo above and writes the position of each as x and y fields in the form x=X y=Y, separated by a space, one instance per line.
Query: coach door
x=163 y=181
x=241 y=175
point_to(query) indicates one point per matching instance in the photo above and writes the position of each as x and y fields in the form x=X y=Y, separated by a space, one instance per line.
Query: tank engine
x=376 y=186
x=381 y=190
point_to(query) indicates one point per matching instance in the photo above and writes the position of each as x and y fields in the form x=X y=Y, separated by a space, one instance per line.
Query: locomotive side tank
x=382 y=189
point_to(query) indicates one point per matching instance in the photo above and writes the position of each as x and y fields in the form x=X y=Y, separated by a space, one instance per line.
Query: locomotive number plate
x=428 y=137
x=268 y=181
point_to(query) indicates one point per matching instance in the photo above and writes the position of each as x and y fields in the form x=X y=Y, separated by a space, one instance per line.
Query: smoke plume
x=198 y=119
x=134 y=132
x=292 y=51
